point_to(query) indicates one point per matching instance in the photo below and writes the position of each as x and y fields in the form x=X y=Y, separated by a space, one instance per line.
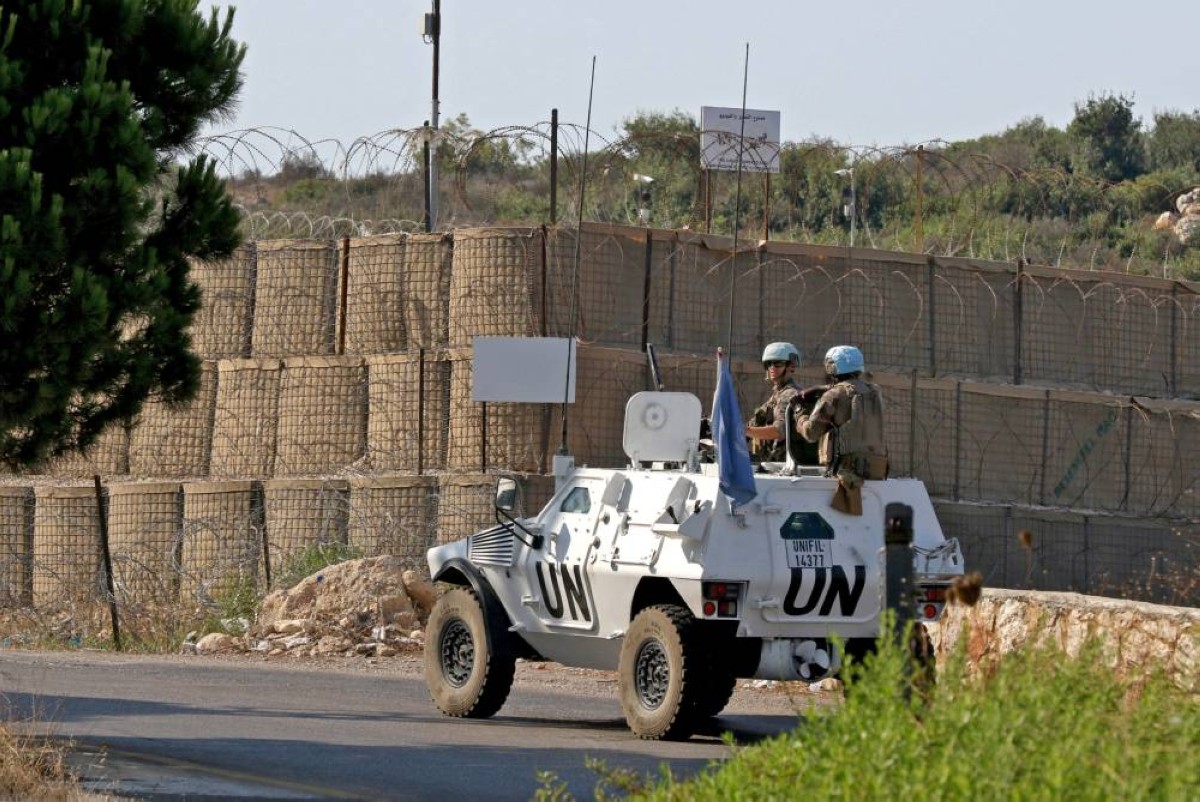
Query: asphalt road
x=167 y=728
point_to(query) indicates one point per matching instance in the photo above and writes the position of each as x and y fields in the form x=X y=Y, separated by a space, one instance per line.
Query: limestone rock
x=366 y=606
x=216 y=642
x=1166 y=221
x=1187 y=199
x=1188 y=229
x=421 y=591
x=287 y=626
x=1187 y=224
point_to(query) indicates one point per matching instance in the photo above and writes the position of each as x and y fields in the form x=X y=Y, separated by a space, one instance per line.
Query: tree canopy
x=1109 y=137
x=101 y=210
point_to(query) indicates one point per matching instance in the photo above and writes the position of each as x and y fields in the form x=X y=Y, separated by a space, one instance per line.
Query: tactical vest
x=862 y=434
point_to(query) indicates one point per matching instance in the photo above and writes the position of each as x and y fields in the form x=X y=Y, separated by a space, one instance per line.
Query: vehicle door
x=826 y=565
x=556 y=575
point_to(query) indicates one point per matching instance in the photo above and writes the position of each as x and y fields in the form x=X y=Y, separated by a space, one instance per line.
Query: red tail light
x=721 y=599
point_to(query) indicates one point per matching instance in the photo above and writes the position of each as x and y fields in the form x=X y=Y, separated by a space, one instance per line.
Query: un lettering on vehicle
x=817 y=591
x=563 y=591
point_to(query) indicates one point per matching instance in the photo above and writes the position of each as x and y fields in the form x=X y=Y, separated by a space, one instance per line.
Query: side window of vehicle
x=579 y=500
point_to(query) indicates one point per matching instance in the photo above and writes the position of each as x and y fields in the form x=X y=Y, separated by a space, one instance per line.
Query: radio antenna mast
x=562 y=448
x=737 y=204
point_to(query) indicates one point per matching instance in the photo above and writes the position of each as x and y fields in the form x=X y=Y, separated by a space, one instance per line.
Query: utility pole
x=850 y=207
x=920 y=230
x=433 y=35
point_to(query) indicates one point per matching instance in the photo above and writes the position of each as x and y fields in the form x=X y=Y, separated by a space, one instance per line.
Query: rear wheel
x=661 y=674
x=468 y=670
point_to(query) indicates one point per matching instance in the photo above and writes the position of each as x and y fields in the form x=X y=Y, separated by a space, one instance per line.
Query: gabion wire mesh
x=300 y=514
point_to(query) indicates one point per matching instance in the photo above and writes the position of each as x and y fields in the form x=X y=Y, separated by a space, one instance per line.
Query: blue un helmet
x=781 y=352
x=843 y=359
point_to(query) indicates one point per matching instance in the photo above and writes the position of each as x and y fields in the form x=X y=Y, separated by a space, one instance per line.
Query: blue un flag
x=729 y=435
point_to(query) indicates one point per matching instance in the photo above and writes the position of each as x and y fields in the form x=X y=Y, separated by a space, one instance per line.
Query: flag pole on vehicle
x=736 y=476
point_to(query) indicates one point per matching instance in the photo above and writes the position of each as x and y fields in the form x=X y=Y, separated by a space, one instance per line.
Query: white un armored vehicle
x=650 y=571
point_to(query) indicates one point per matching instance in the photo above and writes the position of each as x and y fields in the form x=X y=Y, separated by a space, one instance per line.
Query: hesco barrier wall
x=195 y=541
x=295 y=298
x=302 y=513
x=144 y=531
x=166 y=441
x=322 y=415
x=971 y=319
x=408 y=411
x=66 y=545
x=335 y=403
x=326 y=417
x=16 y=545
x=397 y=292
x=222 y=538
x=246 y=420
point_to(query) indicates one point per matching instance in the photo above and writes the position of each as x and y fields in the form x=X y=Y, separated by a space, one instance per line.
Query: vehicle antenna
x=562 y=448
x=737 y=204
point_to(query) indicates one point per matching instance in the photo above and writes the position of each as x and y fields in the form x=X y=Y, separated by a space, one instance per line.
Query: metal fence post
x=420 y=411
x=106 y=555
x=912 y=426
x=1018 y=319
x=343 y=295
x=258 y=520
x=1173 y=375
x=251 y=302
x=1045 y=445
x=553 y=166
x=958 y=427
x=648 y=264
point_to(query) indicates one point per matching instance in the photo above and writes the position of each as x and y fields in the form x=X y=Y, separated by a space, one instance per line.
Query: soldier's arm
x=764 y=432
x=812 y=426
x=759 y=429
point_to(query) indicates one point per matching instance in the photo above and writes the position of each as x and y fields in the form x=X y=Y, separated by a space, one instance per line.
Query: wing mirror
x=506 y=494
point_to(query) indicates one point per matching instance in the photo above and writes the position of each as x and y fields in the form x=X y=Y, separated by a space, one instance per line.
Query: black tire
x=468 y=670
x=661 y=673
x=717 y=683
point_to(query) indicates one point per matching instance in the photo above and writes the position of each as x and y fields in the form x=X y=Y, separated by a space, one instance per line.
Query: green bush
x=1037 y=726
x=312 y=559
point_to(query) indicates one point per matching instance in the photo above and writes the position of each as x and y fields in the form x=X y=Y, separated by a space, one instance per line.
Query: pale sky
x=872 y=72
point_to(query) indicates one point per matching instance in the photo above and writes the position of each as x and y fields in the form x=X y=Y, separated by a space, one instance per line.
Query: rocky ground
x=370 y=607
x=369 y=614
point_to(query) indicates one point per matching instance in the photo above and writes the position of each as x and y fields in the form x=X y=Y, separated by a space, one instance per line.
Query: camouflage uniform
x=848 y=420
x=773 y=412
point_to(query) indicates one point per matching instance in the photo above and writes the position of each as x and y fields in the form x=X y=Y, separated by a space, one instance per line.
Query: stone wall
x=1136 y=636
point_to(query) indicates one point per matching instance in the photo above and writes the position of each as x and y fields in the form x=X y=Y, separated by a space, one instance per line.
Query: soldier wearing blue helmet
x=848 y=422
x=766 y=427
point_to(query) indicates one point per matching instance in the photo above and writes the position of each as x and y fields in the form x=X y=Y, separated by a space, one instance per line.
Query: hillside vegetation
x=1086 y=196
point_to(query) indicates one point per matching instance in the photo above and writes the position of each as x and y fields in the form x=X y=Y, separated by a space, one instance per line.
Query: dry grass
x=35 y=768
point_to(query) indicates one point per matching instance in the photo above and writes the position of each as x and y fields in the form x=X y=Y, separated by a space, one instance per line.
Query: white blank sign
x=531 y=370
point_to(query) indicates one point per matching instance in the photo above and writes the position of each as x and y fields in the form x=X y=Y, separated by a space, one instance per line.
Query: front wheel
x=468 y=670
x=660 y=673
